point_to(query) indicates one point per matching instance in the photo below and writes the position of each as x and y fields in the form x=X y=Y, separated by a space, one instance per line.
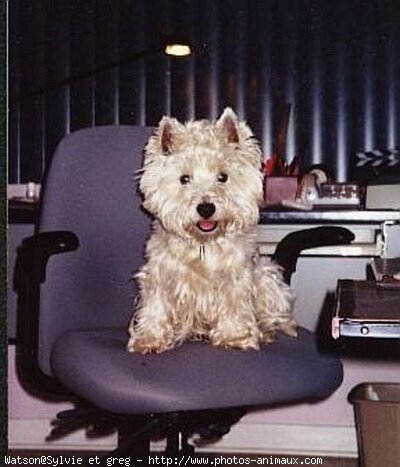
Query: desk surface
x=325 y=216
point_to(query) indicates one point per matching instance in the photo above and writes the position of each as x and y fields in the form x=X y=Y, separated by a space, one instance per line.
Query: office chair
x=76 y=297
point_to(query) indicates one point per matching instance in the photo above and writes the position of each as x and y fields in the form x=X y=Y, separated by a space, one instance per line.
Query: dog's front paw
x=267 y=337
x=268 y=332
x=239 y=343
x=148 y=344
x=289 y=328
x=244 y=341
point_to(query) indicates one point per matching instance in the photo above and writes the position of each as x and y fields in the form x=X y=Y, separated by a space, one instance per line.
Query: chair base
x=136 y=431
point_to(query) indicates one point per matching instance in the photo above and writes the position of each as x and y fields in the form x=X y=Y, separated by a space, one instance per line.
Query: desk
x=23 y=212
x=325 y=216
x=22 y=218
x=377 y=233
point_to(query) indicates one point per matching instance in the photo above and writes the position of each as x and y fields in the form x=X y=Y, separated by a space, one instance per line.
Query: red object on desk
x=281 y=181
x=278 y=189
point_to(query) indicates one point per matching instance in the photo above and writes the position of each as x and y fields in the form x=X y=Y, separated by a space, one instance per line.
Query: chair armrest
x=290 y=247
x=30 y=272
x=35 y=252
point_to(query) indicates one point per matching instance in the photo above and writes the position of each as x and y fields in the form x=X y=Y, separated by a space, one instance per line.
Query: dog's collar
x=202 y=252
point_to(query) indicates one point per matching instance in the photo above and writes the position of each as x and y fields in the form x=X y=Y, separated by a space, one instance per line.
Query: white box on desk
x=383 y=197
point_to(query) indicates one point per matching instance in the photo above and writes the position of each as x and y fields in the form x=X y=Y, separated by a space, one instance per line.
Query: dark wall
x=336 y=62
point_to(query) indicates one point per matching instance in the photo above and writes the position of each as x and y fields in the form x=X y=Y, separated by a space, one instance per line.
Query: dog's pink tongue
x=207 y=225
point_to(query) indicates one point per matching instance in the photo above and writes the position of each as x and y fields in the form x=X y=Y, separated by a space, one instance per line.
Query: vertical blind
x=337 y=63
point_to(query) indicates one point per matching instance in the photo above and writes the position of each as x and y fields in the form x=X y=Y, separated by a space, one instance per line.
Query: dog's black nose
x=206 y=210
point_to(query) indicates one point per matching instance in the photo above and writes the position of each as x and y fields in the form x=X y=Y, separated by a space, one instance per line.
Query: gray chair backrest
x=91 y=190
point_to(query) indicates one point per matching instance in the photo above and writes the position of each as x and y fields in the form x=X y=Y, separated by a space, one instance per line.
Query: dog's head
x=203 y=179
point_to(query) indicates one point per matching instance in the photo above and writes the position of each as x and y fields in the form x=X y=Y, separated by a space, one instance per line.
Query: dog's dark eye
x=185 y=179
x=222 y=177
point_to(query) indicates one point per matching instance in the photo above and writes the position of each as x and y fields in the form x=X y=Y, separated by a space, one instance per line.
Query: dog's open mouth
x=206 y=225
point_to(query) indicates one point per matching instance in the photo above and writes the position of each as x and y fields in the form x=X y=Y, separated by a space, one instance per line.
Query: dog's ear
x=166 y=129
x=228 y=123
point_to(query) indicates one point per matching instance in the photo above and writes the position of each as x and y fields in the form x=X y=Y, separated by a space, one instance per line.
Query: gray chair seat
x=194 y=376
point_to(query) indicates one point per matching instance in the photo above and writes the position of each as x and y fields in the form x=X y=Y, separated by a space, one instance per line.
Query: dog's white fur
x=206 y=283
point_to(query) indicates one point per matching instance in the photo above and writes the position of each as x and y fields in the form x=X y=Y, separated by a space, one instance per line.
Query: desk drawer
x=368 y=240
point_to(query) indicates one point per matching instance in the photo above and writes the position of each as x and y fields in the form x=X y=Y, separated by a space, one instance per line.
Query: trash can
x=377 y=415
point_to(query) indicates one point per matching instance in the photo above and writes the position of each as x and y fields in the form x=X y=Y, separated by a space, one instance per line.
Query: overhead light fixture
x=177 y=46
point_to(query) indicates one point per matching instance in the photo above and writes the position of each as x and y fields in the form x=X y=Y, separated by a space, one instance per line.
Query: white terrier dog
x=202 y=182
